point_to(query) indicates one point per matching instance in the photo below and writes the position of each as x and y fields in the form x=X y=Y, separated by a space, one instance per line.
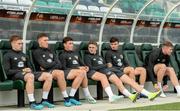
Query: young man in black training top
x=48 y=62
x=115 y=60
x=116 y=76
x=17 y=67
x=76 y=69
x=157 y=65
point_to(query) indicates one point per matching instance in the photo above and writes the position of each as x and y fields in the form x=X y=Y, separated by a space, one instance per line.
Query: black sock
x=32 y=102
x=44 y=100
x=71 y=97
x=66 y=98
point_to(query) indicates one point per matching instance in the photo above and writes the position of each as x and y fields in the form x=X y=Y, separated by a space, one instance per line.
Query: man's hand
x=84 y=68
x=109 y=65
x=27 y=70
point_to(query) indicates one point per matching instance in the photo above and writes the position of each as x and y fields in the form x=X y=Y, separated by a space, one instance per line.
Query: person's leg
x=172 y=75
x=115 y=80
x=159 y=71
x=85 y=88
x=47 y=79
x=97 y=76
x=130 y=71
x=142 y=75
x=58 y=75
x=29 y=79
x=151 y=96
x=77 y=77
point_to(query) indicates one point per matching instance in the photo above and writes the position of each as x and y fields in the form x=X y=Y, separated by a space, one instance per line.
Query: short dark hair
x=92 y=42
x=15 y=38
x=114 y=39
x=66 y=39
x=41 y=35
x=167 y=43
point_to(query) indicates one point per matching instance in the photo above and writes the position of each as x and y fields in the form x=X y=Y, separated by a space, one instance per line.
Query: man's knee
x=29 y=77
x=47 y=76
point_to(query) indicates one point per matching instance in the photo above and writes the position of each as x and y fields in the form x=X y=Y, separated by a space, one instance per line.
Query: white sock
x=45 y=94
x=178 y=89
x=142 y=86
x=145 y=92
x=64 y=93
x=31 y=97
x=109 y=91
x=160 y=86
x=72 y=92
x=86 y=92
x=126 y=93
x=133 y=90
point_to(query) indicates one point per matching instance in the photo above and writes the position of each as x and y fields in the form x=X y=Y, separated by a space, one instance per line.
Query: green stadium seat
x=41 y=9
x=145 y=50
x=18 y=84
x=105 y=47
x=82 y=49
x=130 y=55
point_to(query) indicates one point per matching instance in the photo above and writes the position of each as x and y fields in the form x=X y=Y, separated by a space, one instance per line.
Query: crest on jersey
x=20 y=64
x=100 y=62
x=76 y=56
x=74 y=62
x=121 y=56
x=114 y=57
x=23 y=58
x=15 y=58
x=94 y=59
x=44 y=55
x=51 y=55
x=49 y=60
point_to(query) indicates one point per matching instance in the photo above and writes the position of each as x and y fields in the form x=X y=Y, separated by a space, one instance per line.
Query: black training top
x=46 y=59
x=14 y=62
x=94 y=61
x=116 y=59
x=156 y=56
x=70 y=60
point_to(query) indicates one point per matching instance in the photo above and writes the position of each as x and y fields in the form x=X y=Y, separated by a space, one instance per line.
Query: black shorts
x=66 y=72
x=106 y=71
x=118 y=72
x=20 y=76
x=91 y=73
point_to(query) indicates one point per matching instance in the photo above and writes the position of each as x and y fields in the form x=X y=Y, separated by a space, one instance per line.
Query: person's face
x=114 y=45
x=92 y=48
x=17 y=45
x=43 y=42
x=69 y=45
x=167 y=50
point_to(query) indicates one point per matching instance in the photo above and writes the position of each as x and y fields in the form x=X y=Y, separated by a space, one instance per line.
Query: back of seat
x=145 y=50
x=105 y=47
x=130 y=55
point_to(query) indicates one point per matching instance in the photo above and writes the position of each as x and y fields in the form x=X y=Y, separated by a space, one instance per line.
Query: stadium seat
x=117 y=10
x=130 y=55
x=145 y=50
x=93 y=8
x=18 y=84
x=104 y=9
x=5 y=84
x=41 y=9
x=105 y=47
x=25 y=2
x=82 y=49
x=10 y=1
x=177 y=53
x=81 y=7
